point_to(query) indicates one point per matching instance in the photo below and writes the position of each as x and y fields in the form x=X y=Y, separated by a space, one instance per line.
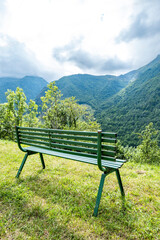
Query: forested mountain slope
x=124 y=104
x=90 y=89
x=129 y=111
x=31 y=86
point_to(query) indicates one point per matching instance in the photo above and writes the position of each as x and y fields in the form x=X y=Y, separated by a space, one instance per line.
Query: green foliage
x=16 y=105
x=89 y=89
x=30 y=118
x=6 y=122
x=57 y=113
x=17 y=112
x=65 y=113
x=147 y=151
x=134 y=107
x=124 y=104
x=51 y=107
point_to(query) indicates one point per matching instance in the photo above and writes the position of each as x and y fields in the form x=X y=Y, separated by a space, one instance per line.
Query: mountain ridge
x=124 y=104
x=31 y=86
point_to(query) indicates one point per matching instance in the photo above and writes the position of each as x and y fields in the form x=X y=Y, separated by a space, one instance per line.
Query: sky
x=55 y=38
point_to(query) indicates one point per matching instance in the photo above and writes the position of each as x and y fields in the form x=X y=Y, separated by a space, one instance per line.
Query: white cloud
x=16 y=59
x=90 y=28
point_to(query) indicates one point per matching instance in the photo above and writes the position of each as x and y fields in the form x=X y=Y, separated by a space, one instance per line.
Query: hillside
x=129 y=111
x=30 y=84
x=125 y=103
x=89 y=89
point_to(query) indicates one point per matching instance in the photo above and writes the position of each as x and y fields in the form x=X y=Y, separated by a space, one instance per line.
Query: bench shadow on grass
x=62 y=197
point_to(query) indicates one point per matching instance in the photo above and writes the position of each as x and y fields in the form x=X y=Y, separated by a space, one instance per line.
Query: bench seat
x=90 y=160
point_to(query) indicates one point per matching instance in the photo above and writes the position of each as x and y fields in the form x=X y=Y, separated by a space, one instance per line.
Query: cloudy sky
x=53 y=38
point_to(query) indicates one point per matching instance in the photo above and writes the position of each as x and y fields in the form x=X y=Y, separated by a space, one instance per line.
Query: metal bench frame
x=97 y=148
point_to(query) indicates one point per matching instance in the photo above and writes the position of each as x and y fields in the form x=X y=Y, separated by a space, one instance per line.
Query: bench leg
x=120 y=183
x=99 y=194
x=22 y=165
x=42 y=160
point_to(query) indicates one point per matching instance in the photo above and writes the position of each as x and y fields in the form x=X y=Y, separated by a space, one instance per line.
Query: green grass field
x=58 y=202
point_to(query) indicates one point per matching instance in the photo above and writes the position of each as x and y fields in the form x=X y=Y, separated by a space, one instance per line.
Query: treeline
x=58 y=113
x=55 y=112
x=147 y=151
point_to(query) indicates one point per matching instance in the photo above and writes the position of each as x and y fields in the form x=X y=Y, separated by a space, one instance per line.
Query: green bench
x=96 y=148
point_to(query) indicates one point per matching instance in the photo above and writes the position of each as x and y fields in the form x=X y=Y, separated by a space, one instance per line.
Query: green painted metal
x=87 y=147
x=108 y=153
x=60 y=131
x=22 y=164
x=42 y=160
x=22 y=136
x=28 y=141
x=108 y=147
x=85 y=144
x=100 y=189
x=99 y=151
x=120 y=183
x=109 y=140
x=75 y=137
x=18 y=141
x=109 y=134
x=81 y=149
x=99 y=194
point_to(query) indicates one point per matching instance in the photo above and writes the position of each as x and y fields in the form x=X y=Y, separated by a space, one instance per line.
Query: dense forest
x=58 y=113
x=125 y=104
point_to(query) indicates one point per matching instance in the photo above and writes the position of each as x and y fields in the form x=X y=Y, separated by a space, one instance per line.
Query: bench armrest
x=18 y=140
x=99 y=146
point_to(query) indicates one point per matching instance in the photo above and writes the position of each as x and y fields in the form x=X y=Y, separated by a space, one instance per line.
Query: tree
x=67 y=113
x=30 y=118
x=16 y=105
x=148 y=150
x=16 y=112
x=50 y=106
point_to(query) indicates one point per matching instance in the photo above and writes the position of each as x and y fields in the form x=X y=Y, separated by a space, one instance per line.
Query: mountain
x=135 y=106
x=31 y=86
x=89 y=89
x=124 y=104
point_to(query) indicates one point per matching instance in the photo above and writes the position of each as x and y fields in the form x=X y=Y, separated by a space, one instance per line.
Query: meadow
x=58 y=202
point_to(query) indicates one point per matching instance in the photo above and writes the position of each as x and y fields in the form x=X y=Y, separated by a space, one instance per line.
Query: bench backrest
x=87 y=144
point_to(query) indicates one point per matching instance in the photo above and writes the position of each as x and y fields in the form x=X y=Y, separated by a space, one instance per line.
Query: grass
x=58 y=202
